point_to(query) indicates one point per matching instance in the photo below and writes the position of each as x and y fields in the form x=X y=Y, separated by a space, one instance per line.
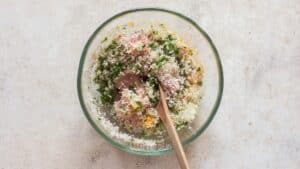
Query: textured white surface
x=42 y=125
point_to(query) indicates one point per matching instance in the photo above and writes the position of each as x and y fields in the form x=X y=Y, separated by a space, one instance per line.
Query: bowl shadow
x=105 y=155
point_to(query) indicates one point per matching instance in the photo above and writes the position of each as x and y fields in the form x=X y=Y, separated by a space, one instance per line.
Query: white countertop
x=42 y=125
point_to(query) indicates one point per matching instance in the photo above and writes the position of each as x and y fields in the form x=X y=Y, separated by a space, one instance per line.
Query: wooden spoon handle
x=166 y=119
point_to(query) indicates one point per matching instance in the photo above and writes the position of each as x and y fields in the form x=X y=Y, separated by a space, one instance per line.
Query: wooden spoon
x=164 y=114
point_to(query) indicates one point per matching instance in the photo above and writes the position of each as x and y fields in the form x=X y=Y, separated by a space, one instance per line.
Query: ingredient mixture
x=131 y=65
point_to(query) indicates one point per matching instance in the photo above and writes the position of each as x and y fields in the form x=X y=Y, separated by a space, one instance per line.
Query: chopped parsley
x=111 y=46
x=116 y=69
x=105 y=39
x=161 y=60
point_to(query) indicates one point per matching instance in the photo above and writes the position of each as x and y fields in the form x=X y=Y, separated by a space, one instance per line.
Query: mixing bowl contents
x=131 y=63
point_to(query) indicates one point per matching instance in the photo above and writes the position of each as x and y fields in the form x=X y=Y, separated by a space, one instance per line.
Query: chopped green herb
x=154 y=100
x=172 y=108
x=111 y=46
x=105 y=39
x=160 y=41
x=153 y=45
x=153 y=81
x=144 y=134
x=200 y=83
x=107 y=96
x=170 y=48
x=181 y=125
x=116 y=69
x=170 y=37
x=182 y=72
x=140 y=105
x=161 y=60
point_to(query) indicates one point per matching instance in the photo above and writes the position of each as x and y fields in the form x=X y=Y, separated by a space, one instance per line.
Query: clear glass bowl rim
x=200 y=130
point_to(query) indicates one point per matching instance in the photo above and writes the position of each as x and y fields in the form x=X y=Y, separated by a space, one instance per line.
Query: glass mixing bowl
x=195 y=37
